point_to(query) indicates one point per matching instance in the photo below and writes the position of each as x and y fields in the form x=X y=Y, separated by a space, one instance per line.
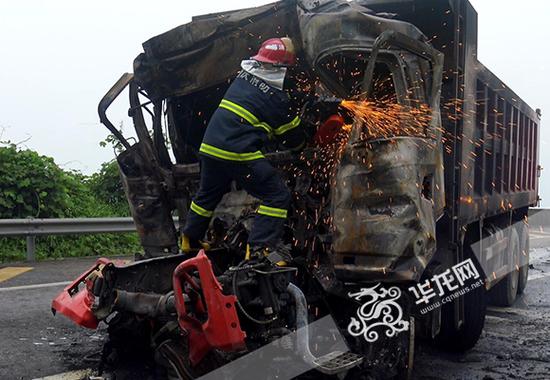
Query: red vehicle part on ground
x=77 y=304
x=222 y=329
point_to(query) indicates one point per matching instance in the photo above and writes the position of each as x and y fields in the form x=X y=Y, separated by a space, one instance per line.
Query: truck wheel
x=475 y=307
x=504 y=293
x=171 y=353
x=523 y=233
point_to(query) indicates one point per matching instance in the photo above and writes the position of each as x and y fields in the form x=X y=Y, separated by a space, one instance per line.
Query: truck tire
x=523 y=233
x=504 y=293
x=173 y=354
x=475 y=308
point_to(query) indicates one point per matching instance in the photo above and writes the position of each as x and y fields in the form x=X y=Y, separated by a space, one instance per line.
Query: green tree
x=32 y=185
x=107 y=187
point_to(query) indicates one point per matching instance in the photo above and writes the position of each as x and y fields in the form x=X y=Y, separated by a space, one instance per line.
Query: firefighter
x=255 y=109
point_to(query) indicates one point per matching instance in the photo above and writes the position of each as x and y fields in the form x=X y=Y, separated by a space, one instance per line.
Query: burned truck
x=409 y=209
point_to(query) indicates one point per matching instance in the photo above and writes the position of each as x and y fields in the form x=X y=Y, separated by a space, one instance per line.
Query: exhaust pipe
x=145 y=304
x=302 y=329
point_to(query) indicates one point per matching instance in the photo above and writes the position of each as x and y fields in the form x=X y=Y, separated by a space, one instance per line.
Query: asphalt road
x=34 y=343
x=516 y=340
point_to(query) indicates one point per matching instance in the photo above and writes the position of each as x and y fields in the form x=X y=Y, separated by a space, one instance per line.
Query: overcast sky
x=59 y=57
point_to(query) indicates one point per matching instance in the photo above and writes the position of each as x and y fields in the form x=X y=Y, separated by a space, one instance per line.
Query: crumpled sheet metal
x=341 y=24
x=384 y=225
x=146 y=200
x=208 y=50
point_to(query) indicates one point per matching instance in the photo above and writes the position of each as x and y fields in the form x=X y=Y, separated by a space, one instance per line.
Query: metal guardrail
x=31 y=228
x=40 y=227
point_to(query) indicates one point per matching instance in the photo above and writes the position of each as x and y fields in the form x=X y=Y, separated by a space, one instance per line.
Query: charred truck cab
x=389 y=189
x=423 y=187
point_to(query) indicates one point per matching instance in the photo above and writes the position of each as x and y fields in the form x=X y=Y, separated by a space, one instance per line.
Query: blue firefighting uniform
x=251 y=112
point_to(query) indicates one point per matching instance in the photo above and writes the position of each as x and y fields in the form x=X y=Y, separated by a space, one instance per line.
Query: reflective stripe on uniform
x=231 y=156
x=272 y=211
x=245 y=114
x=201 y=211
x=288 y=126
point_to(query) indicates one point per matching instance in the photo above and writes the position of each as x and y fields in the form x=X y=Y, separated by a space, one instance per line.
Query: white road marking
x=532 y=277
x=538 y=276
x=537 y=256
x=35 y=286
x=72 y=375
x=526 y=313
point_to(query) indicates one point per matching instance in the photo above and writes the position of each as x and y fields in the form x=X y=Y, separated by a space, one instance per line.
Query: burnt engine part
x=145 y=304
x=262 y=300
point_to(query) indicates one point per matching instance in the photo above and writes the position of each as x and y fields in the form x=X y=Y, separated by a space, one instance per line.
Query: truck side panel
x=491 y=154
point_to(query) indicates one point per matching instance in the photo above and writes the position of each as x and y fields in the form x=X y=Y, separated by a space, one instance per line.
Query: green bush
x=106 y=186
x=54 y=247
x=32 y=185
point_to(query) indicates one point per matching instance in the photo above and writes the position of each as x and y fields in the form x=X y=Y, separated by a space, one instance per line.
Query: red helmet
x=278 y=51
